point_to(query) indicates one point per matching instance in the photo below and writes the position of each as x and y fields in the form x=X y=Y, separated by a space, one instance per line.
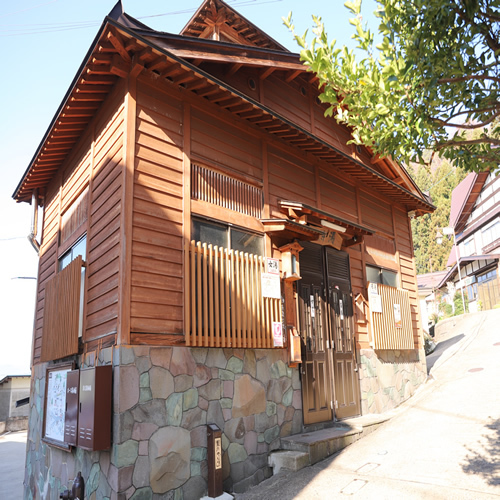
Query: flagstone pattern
x=163 y=399
x=387 y=378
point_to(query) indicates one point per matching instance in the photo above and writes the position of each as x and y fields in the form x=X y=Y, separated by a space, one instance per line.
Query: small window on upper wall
x=381 y=276
x=226 y=236
x=79 y=248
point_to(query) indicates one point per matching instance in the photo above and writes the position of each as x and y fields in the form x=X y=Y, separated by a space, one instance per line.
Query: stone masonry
x=387 y=378
x=164 y=397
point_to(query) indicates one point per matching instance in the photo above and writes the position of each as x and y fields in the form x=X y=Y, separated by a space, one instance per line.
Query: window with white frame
x=469 y=247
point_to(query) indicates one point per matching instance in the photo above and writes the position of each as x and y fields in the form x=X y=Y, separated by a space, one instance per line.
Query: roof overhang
x=469 y=200
x=118 y=51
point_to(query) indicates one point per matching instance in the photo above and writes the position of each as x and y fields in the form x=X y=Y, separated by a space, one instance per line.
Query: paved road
x=443 y=444
x=12 y=459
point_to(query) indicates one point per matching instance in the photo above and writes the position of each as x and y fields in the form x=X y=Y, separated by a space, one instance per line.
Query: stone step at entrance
x=312 y=446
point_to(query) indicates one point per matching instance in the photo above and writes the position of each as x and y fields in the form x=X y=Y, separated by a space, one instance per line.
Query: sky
x=46 y=41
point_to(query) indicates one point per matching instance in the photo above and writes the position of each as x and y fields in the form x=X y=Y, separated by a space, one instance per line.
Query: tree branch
x=472 y=126
x=470 y=142
x=469 y=77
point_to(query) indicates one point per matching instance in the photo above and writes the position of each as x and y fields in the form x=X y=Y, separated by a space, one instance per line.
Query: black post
x=214 y=443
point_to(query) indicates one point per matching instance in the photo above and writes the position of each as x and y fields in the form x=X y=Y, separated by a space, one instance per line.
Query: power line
x=41 y=28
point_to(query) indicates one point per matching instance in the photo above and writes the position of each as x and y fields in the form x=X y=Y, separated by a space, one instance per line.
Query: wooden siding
x=290 y=178
x=404 y=248
x=103 y=245
x=288 y=101
x=337 y=196
x=376 y=213
x=225 y=145
x=46 y=264
x=157 y=241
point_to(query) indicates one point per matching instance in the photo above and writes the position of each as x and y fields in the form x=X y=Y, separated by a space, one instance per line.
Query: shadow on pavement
x=486 y=463
x=440 y=349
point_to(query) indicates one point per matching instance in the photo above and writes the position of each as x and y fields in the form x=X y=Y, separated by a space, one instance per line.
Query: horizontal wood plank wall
x=376 y=212
x=408 y=270
x=226 y=302
x=157 y=242
x=46 y=265
x=337 y=196
x=104 y=235
x=288 y=101
x=223 y=145
x=289 y=179
x=76 y=178
x=330 y=131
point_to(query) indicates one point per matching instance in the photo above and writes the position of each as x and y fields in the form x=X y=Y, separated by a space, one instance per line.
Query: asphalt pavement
x=12 y=463
x=444 y=443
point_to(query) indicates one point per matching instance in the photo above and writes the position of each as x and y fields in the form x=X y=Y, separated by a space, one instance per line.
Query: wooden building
x=209 y=234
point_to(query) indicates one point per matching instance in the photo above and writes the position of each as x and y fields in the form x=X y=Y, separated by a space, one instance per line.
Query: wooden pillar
x=126 y=213
x=186 y=225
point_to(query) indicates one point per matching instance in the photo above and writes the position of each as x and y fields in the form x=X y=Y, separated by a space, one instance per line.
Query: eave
x=118 y=51
x=470 y=200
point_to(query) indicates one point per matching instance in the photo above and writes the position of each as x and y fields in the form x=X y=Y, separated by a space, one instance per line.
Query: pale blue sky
x=45 y=42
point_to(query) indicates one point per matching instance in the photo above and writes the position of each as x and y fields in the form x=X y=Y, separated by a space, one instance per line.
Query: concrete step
x=312 y=446
x=323 y=443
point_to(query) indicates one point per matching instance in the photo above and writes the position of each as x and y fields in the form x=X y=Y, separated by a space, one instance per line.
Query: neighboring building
x=429 y=302
x=212 y=237
x=475 y=217
x=14 y=388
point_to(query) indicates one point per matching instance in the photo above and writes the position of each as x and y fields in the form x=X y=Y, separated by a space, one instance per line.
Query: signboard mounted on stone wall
x=55 y=405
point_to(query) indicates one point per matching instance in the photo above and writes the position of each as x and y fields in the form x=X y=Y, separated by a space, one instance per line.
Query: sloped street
x=442 y=444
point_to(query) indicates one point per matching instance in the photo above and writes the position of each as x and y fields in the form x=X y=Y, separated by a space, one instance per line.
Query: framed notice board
x=55 y=405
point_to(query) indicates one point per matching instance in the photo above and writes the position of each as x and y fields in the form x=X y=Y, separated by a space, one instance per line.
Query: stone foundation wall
x=387 y=378
x=163 y=399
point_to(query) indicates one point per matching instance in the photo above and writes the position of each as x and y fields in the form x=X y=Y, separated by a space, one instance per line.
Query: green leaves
x=435 y=70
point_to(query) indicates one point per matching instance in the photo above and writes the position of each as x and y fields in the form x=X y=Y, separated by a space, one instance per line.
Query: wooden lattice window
x=224 y=191
x=391 y=320
x=227 y=307
x=62 y=312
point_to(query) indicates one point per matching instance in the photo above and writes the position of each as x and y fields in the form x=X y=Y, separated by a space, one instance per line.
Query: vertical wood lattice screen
x=227 y=308
x=61 y=312
x=224 y=191
x=386 y=333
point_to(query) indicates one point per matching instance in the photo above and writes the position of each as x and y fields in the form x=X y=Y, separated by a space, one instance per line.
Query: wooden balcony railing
x=61 y=312
x=226 y=304
x=392 y=328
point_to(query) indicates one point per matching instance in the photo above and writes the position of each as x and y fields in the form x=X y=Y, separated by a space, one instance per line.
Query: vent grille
x=224 y=191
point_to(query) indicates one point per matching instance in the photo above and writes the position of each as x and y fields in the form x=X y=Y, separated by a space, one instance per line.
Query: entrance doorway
x=330 y=384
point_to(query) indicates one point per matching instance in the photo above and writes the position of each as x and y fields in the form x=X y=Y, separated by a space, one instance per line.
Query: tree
x=436 y=70
x=439 y=183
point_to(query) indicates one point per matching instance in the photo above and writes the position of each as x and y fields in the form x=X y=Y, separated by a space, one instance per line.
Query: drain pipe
x=34 y=222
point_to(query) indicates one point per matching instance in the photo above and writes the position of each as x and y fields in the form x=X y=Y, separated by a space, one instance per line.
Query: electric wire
x=11 y=30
